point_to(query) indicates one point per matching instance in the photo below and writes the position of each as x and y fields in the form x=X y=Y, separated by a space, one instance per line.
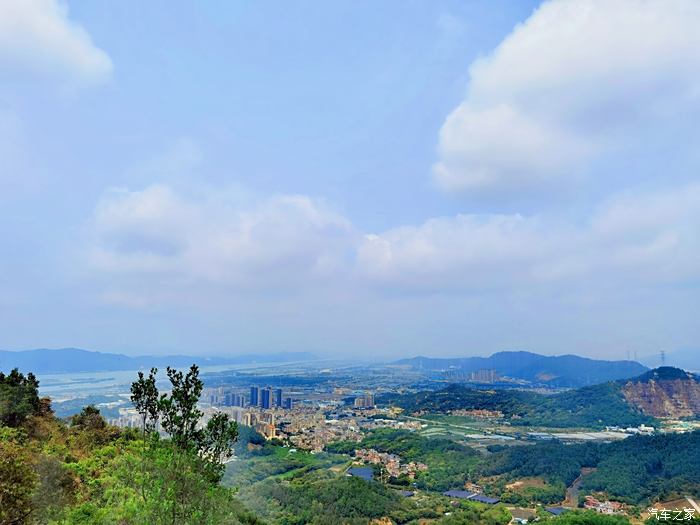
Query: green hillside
x=593 y=407
x=637 y=470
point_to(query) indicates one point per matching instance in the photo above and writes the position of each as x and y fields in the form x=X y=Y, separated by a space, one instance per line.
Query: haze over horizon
x=357 y=178
x=683 y=358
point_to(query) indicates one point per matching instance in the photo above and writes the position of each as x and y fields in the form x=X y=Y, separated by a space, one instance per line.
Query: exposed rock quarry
x=665 y=393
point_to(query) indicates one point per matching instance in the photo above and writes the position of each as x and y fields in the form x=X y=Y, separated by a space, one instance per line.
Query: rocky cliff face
x=665 y=393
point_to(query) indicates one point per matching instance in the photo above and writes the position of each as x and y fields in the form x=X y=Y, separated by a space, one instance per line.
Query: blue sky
x=350 y=178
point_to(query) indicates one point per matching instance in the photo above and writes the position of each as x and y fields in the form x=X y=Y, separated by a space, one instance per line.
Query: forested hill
x=567 y=371
x=664 y=392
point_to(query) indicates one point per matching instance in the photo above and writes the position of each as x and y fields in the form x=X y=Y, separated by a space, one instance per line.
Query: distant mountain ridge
x=567 y=371
x=74 y=360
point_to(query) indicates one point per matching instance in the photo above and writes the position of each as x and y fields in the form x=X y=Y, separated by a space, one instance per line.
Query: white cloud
x=577 y=79
x=645 y=239
x=158 y=244
x=159 y=238
x=450 y=253
x=37 y=37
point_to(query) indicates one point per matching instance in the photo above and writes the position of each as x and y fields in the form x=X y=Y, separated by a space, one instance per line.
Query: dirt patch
x=525 y=483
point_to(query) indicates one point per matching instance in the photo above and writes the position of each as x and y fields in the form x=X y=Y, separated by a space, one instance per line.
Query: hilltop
x=665 y=392
x=562 y=371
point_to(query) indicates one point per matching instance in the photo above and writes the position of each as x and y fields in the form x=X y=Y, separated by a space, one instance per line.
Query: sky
x=351 y=178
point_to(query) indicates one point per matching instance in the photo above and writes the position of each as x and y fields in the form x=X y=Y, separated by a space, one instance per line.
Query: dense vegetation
x=450 y=463
x=591 y=407
x=321 y=497
x=261 y=461
x=637 y=470
x=85 y=471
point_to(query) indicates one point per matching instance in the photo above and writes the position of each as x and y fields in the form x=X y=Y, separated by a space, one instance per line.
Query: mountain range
x=562 y=371
x=73 y=360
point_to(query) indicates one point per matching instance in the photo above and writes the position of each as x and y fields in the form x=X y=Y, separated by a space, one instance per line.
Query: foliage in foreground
x=83 y=471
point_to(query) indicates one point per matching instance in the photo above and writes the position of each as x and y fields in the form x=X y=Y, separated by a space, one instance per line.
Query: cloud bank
x=161 y=239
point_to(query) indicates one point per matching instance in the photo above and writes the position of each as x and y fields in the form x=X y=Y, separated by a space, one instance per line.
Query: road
x=573 y=491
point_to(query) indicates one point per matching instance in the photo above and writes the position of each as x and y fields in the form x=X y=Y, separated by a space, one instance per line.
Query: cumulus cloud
x=157 y=238
x=159 y=243
x=37 y=37
x=648 y=239
x=577 y=79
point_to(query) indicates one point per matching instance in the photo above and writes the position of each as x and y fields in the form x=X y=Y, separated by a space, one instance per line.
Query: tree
x=17 y=481
x=89 y=418
x=55 y=490
x=179 y=410
x=218 y=440
x=19 y=397
x=185 y=469
x=144 y=396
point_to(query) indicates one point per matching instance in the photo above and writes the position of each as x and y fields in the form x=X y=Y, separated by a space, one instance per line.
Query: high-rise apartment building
x=364 y=401
x=266 y=395
x=278 y=397
x=254 y=396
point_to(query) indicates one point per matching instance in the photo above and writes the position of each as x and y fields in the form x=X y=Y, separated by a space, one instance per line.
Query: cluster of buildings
x=374 y=423
x=603 y=507
x=267 y=398
x=262 y=422
x=317 y=419
x=310 y=429
x=641 y=429
x=227 y=398
x=391 y=462
x=484 y=375
x=478 y=413
x=364 y=401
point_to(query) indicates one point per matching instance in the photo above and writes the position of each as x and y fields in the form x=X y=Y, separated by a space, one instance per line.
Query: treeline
x=84 y=471
x=590 y=407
